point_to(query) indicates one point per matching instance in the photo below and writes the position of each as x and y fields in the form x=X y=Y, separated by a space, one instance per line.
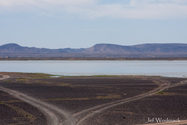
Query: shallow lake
x=77 y=68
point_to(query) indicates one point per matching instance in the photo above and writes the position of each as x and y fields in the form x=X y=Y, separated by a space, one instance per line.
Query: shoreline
x=50 y=75
x=91 y=58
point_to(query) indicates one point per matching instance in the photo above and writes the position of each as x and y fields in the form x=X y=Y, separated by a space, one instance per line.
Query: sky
x=84 y=23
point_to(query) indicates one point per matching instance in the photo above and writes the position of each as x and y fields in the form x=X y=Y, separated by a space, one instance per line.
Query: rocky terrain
x=101 y=100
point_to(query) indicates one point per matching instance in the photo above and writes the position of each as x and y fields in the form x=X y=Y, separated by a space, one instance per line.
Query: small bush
x=160 y=92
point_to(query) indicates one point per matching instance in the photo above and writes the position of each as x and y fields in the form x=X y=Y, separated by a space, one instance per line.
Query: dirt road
x=83 y=116
x=53 y=114
x=180 y=122
x=57 y=116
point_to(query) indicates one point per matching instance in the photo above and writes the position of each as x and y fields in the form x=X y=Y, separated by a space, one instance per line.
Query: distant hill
x=98 y=50
x=15 y=48
x=137 y=49
x=110 y=49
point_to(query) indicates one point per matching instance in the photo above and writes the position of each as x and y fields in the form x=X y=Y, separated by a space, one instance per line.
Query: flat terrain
x=94 y=58
x=171 y=104
x=93 y=100
x=14 y=111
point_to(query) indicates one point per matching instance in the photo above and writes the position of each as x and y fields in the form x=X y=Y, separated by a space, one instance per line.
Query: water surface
x=76 y=68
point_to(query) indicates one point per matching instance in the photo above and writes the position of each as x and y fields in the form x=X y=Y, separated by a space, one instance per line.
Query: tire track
x=91 y=112
x=180 y=122
x=84 y=115
x=57 y=116
x=54 y=115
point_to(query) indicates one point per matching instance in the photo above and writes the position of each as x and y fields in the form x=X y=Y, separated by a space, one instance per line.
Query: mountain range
x=98 y=50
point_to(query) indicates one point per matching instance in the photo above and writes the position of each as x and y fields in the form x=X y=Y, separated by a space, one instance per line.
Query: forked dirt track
x=57 y=116
x=91 y=112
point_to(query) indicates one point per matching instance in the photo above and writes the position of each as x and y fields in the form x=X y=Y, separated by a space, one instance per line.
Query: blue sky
x=83 y=23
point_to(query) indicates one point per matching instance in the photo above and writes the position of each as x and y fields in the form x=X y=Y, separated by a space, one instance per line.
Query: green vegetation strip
x=41 y=75
x=160 y=92
x=86 y=98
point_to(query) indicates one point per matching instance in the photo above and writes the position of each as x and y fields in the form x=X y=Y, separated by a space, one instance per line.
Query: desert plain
x=41 y=99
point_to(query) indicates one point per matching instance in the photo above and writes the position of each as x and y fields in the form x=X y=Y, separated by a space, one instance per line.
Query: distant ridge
x=98 y=50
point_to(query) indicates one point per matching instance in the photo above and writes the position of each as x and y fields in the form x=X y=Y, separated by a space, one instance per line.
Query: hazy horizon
x=92 y=45
x=84 y=23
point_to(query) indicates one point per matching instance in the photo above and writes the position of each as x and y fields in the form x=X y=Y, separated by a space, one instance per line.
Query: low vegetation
x=19 y=110
x=160 y=92
x=40 y=75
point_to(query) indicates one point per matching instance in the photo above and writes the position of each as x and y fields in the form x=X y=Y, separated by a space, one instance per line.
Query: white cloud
x=136 y=9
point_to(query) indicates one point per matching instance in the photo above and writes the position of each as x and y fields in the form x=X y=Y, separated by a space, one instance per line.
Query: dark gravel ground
x=171 y=104
x=78 y=93
x=14 y=111
x=75 y=94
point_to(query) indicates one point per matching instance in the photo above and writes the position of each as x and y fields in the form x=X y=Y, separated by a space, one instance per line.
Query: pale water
x=78 y=68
